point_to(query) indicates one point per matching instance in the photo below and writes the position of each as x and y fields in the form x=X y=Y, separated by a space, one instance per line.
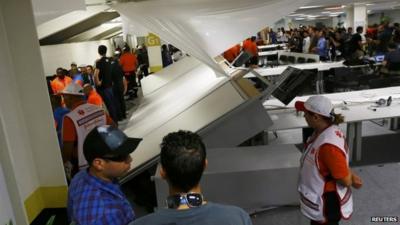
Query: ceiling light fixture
x=311 y=7
x=335 y=7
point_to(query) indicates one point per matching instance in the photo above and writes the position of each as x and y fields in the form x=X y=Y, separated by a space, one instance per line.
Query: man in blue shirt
x=94 y=196
x=58 y=112
x=183 y=160
x=321 y=49
x=391 y=63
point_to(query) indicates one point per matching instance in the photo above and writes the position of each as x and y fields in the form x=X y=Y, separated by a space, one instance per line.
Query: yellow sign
x=153 y=40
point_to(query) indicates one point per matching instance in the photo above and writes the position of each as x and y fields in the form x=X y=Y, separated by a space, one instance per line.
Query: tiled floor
x=379 y=195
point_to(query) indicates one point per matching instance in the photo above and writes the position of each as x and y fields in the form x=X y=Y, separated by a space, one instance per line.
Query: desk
x=275 y=71
x=273 y=46
x=321 y=66
x=252 y=171
x=268 y=53
x=359 y=109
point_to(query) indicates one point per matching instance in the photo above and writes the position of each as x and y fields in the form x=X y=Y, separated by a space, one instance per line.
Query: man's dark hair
x=65 y=72
x=359 y=29
x=102 y=50
x=127 y=48
x=59 y=70
x=183 y=156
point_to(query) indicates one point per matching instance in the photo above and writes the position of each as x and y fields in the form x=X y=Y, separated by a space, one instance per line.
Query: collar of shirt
x=111 y=187
x=75 y=105
x=91 y=199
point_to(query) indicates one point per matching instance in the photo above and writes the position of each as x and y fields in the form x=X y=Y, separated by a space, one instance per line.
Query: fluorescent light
x=311 y=7
x=336 y=13
x=299 y=18
x=335 y=8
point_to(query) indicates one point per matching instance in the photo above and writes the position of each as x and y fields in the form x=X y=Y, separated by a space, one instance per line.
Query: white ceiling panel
x=46 y=10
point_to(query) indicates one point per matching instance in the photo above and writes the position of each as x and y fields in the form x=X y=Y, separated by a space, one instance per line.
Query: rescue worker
x=325 y=178
x=76 y=125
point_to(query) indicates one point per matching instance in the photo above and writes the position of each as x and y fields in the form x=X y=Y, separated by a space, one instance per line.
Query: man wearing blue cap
x=94 y=195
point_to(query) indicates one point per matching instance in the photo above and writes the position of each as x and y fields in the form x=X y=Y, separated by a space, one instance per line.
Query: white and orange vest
x=86 y=117
x=311 y=182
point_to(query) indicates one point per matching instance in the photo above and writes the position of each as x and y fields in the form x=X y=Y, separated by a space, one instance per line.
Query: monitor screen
x=242 y=58
x=293 y=83
x=379 y=58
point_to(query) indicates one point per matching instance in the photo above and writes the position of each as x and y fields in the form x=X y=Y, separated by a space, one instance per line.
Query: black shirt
x=384 y=39
x=393 y=60
x=354 y=42
x=117 y=74
x=104 y=67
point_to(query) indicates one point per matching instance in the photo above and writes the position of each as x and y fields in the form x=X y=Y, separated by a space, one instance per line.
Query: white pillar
x=288 y=23
x=153 y=44
x=125 y=29
x=335 y=21
x=29 y=151
x=349 y=17
x=360 y=16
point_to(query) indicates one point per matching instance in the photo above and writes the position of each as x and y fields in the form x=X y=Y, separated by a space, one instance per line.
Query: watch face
x=189 y=199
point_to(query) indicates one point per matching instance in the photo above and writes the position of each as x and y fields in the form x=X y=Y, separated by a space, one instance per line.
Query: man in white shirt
x=306 y=42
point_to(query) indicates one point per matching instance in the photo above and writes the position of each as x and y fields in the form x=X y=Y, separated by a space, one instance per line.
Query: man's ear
x=205 y=164
x=163 y=174
x=98 y=164
x=316 y=116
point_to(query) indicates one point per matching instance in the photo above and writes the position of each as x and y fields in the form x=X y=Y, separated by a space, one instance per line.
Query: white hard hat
x=73 y=89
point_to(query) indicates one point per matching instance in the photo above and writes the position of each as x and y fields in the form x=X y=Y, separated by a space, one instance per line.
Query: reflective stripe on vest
x=311 y=183
x=86 y=117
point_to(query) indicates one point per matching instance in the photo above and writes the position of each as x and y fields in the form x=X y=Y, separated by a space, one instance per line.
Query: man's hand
x=356 y=181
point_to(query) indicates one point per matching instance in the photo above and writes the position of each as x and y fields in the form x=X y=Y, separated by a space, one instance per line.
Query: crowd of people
x=325 y=178
x=86 y=96
x=331 y=44
x=88 y=101
x=95 y=196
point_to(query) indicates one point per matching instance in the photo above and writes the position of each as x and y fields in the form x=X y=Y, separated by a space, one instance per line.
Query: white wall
x=393 y=14
x=327 y=22
x=54 y=56
x=6 y=211
x=297 y=23
x=29 y=151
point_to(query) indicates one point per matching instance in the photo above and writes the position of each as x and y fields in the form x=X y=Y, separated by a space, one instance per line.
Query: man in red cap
x=325 y=178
